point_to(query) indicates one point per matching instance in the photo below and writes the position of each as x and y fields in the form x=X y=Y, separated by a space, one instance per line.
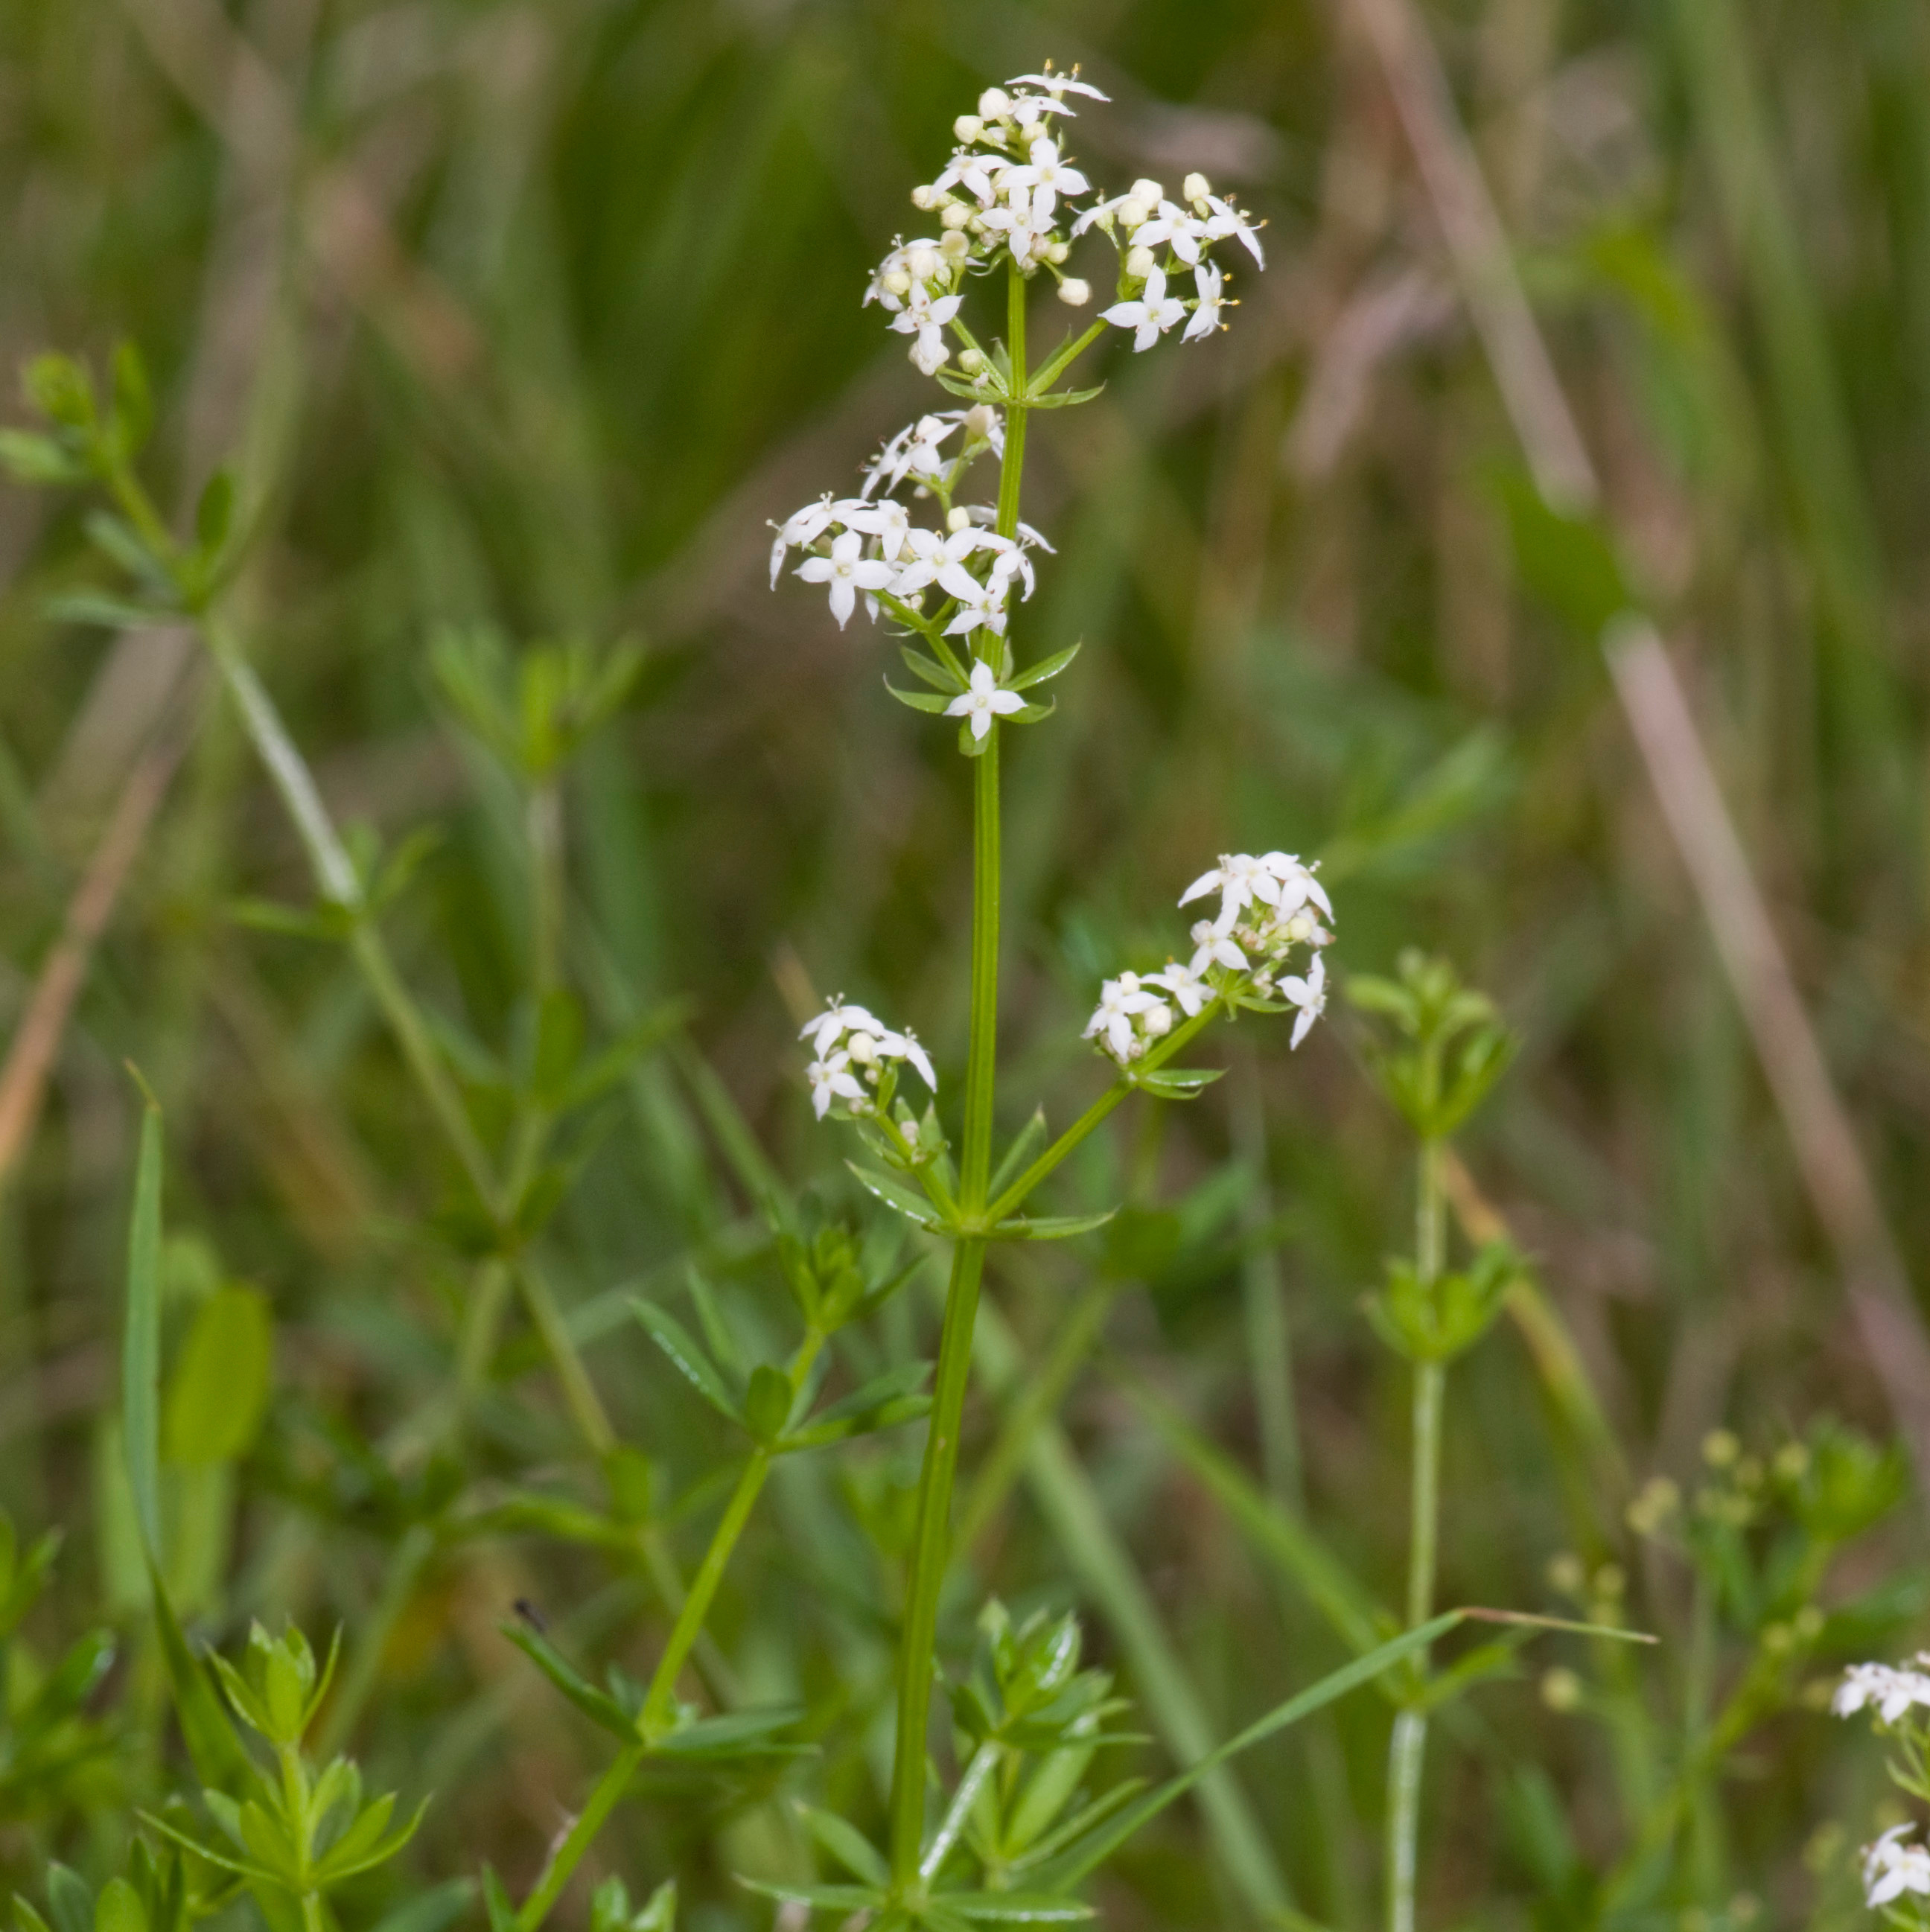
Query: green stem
x=568 y=1855
x=579 y=1393
x=1408 y=1748
x=932 y=1547
x=1049 y=371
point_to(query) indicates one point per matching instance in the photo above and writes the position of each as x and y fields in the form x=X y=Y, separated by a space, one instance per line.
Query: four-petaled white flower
x=1239 y=879
x=800 y=527
x=889 y=521
x=1891 y=1868
x=1184 y=984
x=1048 y=176
x=847 y=571
x=1891 y=1691
x=1151 y=315
x=1212 y=947
x=1227 y=220
x=932 y=555
x=832 y=1080
x=1181 y=232
x=987 y=699
x=924 y=317
x=981 y=606
x=1206 y=278
x=905 y=1046
x=1057 y=84
x=1025 y=223
x=1122 y=1001
x=824 y=1031
x=1309 y=994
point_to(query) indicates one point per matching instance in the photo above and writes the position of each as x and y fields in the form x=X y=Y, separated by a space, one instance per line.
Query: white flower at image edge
x=1309 y=994
x=1893 y=1691
x=1151 y=315
x=986 y=698
x=1891 y=1868
x=847 y=571
x=832 y=1080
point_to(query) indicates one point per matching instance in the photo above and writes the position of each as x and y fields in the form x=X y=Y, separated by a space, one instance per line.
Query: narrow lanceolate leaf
x=1045 y=668
x=931 y=671
x=598 y=1708
x=1066 y=1871
x=847 y=1844
x=1032 y=714
x=1061 y=399
x=894 y=1194
x=1050 y=1227
x=1177 y=1083
x=739 y=1734
x=1026 y=1143
x=140 y=1348
x=919 y=701
x=676 y=1341
x=820 y=1897
x=1011 y=1908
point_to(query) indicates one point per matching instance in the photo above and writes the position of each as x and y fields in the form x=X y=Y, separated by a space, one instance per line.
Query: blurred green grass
x=533 y=314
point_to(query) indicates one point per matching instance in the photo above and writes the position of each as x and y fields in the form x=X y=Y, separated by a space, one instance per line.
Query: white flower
x=1309 y=994
x=847 y=571
x=1298 y=884
x=1891 y=1691
x=924 y=317
x=1048 y=176
x=979 y=175
x=801 y=527
x=831 y=1080
x=1025 y=227
x=1057 y=84
x=824 y=1031
x=1184 y=984
x=1206 y=279
x=1213 y=948
x=1239 y=879
x=891 y=281
x=1151 y=316
x=1121 y=1002
x=1179 y=231
x=905 y=1046
x=1226 y=220
x=981 y=606
x=1891 y=1868
x=987 y=698
x=932 y=555
x=888 y=521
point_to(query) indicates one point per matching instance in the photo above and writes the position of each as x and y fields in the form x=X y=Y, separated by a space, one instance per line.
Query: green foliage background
x=531 y=315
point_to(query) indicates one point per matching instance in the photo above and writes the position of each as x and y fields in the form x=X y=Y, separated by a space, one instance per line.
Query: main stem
x=918 y=1641
x=1409 y=1746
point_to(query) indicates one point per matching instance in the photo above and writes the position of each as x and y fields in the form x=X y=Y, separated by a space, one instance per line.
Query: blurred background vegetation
x=530 y=315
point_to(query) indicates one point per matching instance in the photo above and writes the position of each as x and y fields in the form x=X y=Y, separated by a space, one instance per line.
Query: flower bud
x=955 y=245
x=923 y=264
x=925 y=196
x=1157 y=1020
x=1298 y=929
x=1150 y=192
x=1057 y=251
x=1561 y=1689
x=956 y=215
x=980 y=420
x=1075 y=293
x=994 y=104
x=1139 y=263
x=971 y=361
x=1195 y=187
x=968 y=128
x=958 y=518
x=1132 y=211
x=898 y=283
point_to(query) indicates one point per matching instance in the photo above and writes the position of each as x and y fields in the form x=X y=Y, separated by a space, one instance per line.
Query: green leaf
x=931 y=671
x=908 y=1379
x=848 y=1845
x=58 y=386
x=1030 y=714
x=767 y=1402
x=133 y=402
x=1063 y=399
x=741 y=1733
x=919 y=701
x=1045 y=668
x=1021 y=1908
x=913 y=1207
x=498 y=1903
x=846 y=1898
x=215 y=514
x=435 y=1910
x=218 y=1392
x=1026 y=1145
x=140 y=1348
x=70 y=1901
x=30 y=458
x=602 y=1071
x=212 y=1747
x=110 y=614
x=327 y=923
x=598 y=1708
x=1177 y=1083
x=1567 y=563
x=1050 y=1227
x=559 y=1044
x=675 y=1340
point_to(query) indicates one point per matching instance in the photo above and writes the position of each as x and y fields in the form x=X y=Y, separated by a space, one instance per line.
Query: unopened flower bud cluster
x=856 y=1060
x=1268 y=906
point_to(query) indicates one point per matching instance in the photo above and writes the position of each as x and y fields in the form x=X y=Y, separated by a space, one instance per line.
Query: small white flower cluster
x=1005 y=192
x=1890 y=1690
x=1891 y=1868
x=1268 y=906
x=868 y=543
x=854 y=1052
